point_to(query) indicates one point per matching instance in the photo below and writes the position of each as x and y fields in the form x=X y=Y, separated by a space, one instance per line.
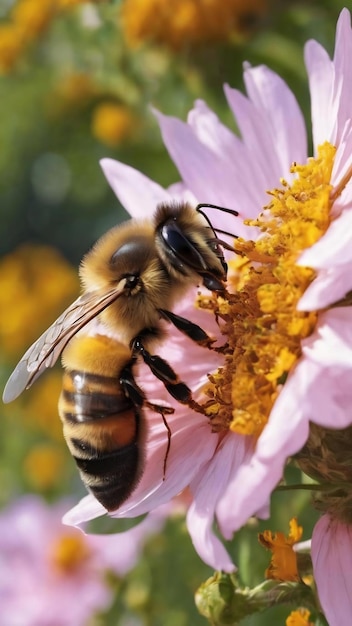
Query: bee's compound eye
x=180 y=246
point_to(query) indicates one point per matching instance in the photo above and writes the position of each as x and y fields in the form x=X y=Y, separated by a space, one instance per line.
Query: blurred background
x=77 y=83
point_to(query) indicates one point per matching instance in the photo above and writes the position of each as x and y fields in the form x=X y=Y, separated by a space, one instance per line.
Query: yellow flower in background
x=71 y=94
x=11 y=46
x=75 y=89
x=69 y=552
x=33 y=17
x=70 y=4
x=182 y=22
x=44 y=466
x=28 y=20
x=36 y=283
x=113 y=123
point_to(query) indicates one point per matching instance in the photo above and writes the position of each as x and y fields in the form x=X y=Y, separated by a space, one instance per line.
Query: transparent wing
x=47 y=349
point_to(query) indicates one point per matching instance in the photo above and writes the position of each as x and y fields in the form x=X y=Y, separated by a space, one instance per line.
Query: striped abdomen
x=102 y=428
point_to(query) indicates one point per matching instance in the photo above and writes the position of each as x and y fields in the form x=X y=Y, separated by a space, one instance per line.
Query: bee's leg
x=164 y=372
x=137 y=396
x=193 y=331
x=168 y=443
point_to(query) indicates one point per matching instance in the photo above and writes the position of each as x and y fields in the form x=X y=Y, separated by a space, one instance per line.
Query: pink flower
x=231 y=476
x=52 y=575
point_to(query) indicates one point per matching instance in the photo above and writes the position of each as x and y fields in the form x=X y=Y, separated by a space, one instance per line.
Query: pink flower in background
x=231 y=473
x=52 y=575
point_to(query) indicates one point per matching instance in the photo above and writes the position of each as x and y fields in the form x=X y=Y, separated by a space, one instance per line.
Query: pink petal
x=136 y=192
x=179 y=192
x=343 y=70
x=330 y=84
x=327 y=288
x=342 y=163
x=284 y=120
x=209 y=178
x=261 y=161
x=323 y=109
x=334 y=248
x=331 y=343
x=332 y=256
x=206 y=543
x=213 y=480
x=195 y=161
x=262 y=120
x=333 y=399
x=331 y=556
x=212 y=133
x=87 y=509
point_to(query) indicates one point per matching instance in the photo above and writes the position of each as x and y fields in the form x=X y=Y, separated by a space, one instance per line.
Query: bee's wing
x=47 y=349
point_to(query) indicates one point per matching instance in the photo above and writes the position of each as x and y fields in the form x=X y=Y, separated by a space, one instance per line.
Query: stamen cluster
x=260 y=320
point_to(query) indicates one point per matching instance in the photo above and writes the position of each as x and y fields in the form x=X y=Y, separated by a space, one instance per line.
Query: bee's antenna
x=220 y=208
x=224 y=232
x=215 y=206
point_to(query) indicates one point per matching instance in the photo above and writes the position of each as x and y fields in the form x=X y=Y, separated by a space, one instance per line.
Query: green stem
x=313 y=487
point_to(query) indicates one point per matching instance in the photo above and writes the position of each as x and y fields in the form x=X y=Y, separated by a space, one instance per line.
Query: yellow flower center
x=264 y=329
x=69 y=552
x=283 y=565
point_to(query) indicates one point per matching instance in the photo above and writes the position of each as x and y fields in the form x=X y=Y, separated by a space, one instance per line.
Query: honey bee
x=101 y=408
x=131 y=278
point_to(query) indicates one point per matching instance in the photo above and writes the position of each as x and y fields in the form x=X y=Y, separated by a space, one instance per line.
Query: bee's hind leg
x=164 y=372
